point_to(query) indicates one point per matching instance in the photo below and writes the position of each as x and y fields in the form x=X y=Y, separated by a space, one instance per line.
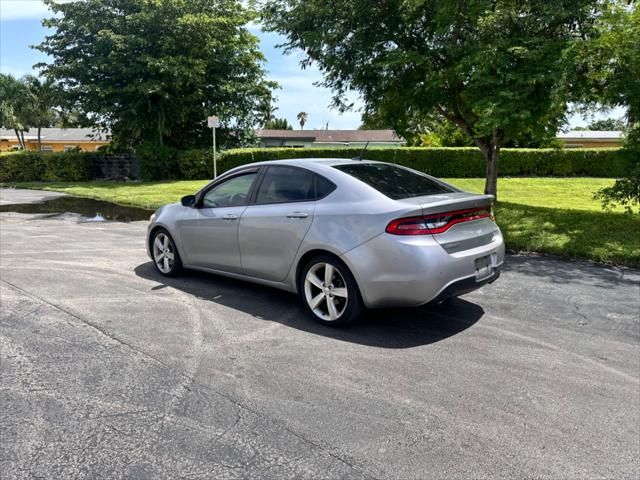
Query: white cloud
x=19 y=9
x=16 y=9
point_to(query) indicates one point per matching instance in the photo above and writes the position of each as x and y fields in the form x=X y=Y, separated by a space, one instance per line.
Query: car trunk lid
x=466 y=224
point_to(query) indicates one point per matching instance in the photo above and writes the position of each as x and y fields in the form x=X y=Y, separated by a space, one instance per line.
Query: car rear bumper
x=467 y=285
x=394 y=270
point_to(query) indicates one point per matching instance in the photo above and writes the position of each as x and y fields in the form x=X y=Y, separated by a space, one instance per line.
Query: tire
x=331 y=297
x=163 y=248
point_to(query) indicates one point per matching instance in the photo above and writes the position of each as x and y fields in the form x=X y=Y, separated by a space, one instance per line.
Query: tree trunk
x=491 y=180
x=39 y=139
x=24 y=145
x=18 y=137
x=491 y=156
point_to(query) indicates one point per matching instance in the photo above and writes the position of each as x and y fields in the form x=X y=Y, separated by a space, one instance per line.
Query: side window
x=323 y=187
x=286 y=184
x=232 y=193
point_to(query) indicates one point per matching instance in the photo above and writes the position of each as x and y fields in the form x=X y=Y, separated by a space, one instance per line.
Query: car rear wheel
x=330 y=292
x=165 y=254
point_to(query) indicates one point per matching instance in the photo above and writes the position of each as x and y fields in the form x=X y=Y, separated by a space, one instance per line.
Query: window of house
x=46 y=148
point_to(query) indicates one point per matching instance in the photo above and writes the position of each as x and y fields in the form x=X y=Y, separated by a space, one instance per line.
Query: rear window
x=392 y=181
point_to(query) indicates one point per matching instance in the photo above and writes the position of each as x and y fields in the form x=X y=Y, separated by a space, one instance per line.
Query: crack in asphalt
x=193 y=381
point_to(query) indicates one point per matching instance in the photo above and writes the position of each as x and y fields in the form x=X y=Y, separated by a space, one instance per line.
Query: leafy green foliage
x=497 y=69
x=459 y=162
x=443 y=134
x=28 y=102
x=157 y=161
x=606 y=124
x=152 y=71
x=626 y=191
x=609 y=62
x=302 y=119
x=278 y=124
x=167 y=163
x=196 y=164
x=13 y=95
x=71 y=166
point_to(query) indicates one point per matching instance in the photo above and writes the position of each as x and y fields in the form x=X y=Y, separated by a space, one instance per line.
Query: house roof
x=600 y=135
x=333 y=136
x=59 y=135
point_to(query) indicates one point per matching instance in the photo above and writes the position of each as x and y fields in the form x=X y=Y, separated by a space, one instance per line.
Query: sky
x=20 y=27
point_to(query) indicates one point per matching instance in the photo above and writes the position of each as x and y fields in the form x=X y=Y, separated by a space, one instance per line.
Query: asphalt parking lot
x=109 y=370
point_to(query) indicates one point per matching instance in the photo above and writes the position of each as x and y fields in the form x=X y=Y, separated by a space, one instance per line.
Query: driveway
x=109 y=370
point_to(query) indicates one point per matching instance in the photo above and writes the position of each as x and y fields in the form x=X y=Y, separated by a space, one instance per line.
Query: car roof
x=310 y=162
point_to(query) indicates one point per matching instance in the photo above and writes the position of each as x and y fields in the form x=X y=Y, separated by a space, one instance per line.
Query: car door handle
x=230 y=216
x=297 y=215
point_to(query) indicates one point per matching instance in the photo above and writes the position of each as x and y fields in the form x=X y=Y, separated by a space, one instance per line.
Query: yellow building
x=591 y=139
x=55 y=139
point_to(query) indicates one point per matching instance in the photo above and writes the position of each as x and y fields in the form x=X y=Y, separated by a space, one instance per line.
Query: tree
x=611 y=65
x=495 y=68
x=610 y=62
x=372 y=120
x=608 y=124
x=14 y=105
x=278 y=124
x=267 y=111
x=302 y=119
x=152 y=70
x=43 y=97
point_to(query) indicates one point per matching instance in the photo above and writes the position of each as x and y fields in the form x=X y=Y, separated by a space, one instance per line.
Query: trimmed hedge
x=462 y=161
x=72 y=166
x=165 y=163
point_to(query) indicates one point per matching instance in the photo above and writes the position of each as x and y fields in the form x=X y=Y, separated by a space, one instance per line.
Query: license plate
x=485 y=266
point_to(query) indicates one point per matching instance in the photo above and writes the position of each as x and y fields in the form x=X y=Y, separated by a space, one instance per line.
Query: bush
x=164 y=163
x=49 y=167
x=459 y=161
x=158 y=162
x=195 y=164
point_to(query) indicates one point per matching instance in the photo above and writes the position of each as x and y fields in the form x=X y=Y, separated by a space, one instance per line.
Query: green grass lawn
x=546 y=215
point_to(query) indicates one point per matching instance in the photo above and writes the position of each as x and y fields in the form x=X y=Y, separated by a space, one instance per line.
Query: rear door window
x=286 y=184
x=393 y=181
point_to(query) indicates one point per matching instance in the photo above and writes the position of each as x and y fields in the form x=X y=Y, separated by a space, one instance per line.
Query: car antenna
x=359 y=157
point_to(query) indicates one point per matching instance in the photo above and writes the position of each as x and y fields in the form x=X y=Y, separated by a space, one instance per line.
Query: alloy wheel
x=326 y=291
x=163 y=254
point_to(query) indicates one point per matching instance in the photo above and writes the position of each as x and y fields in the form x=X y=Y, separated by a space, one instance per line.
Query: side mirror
x=188 y=201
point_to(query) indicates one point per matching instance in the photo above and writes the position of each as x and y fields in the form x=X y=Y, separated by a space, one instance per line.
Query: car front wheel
x=165 y=254
x=330 y=292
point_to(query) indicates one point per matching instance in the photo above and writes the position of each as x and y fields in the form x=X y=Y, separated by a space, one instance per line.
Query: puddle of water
x=85 y=209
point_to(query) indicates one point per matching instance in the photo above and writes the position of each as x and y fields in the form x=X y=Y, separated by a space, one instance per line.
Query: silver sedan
x=343 y=234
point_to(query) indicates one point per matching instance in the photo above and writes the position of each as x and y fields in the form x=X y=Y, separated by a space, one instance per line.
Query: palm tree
x=12 y=106
x=42 y=95
x=302 y=118
x=267 y=111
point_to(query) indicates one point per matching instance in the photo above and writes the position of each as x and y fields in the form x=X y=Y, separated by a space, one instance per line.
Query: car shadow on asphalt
x=385 y=328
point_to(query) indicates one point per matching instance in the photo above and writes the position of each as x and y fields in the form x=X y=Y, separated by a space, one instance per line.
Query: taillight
x=436 y=223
